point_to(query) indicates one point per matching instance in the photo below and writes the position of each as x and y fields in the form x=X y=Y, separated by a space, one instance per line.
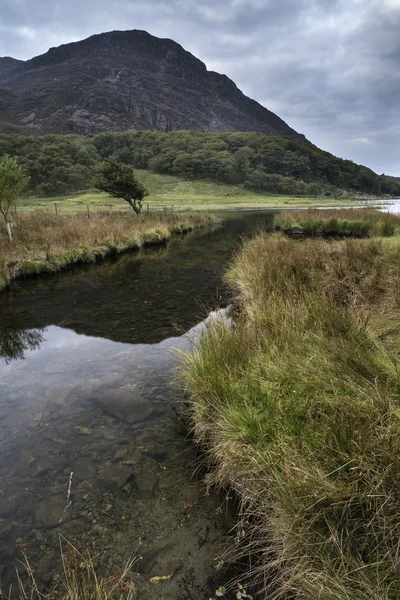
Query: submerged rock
x=127 y=406
x=117 y=477
x=83 y=469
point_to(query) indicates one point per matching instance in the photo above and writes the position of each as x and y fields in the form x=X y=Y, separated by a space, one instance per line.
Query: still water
x=87 y=359
x=391 y=205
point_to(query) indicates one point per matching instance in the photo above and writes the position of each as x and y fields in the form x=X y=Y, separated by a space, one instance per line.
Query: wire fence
x=61 y=208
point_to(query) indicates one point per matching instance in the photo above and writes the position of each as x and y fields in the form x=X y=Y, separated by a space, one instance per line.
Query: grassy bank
x=297 y=407
x=45 y=243
x=168 y=190
x=359 y=222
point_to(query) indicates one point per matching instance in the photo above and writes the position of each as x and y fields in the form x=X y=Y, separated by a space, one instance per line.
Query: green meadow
x=174 y=193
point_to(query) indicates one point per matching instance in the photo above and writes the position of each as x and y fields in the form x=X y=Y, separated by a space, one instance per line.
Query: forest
x=62 y=164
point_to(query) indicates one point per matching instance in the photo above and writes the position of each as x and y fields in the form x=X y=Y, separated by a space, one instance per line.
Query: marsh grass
x=297 y=407
x=44 y=242
x=357 y=222
x=79 y=580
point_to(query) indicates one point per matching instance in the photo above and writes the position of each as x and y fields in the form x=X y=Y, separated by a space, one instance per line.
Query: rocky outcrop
x=124 y=81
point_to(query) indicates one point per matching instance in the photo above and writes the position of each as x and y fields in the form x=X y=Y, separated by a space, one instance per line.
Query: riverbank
x=93 y=396
x=358 y=223
x=46 y=243
x=296 y=406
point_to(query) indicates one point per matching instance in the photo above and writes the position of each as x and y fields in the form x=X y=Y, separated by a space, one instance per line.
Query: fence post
x=56 y=208
x=110 y=209
x=147 y=208
x=88 y=211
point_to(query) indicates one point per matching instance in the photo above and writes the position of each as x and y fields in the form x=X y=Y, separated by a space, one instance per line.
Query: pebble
x=83 y=430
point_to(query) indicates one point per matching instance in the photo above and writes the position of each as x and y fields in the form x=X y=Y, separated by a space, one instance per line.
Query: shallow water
x=87 y=359
x=390 y=205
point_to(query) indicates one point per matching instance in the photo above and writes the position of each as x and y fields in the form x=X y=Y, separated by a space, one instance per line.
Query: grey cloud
x=328 y=67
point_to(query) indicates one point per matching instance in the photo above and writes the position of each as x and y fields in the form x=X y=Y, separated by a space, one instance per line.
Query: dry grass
x=297 y=406
x=356 y=222
x=80 y=579
x=47 y=243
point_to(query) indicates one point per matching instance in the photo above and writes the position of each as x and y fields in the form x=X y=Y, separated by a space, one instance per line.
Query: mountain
x=125 y=81
x=8 y=64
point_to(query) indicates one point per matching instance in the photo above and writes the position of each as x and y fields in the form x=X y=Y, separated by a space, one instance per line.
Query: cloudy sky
x=330 y=68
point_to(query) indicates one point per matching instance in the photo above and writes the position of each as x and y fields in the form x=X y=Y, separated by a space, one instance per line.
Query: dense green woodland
x=60 y=164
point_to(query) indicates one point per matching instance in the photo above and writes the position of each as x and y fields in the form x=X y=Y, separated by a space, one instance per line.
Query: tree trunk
x=136 y=209
x=8 y=227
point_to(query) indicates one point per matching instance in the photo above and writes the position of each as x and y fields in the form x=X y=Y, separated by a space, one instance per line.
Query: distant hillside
x=125 y=81
x=60 y=164
x=392 y=178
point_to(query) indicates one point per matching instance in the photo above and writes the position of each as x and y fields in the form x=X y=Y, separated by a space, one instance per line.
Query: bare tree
x=13 y=181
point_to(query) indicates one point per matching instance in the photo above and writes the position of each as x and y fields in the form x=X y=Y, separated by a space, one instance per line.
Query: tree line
x=61 y=164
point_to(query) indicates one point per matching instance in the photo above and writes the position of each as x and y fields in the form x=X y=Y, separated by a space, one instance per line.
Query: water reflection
x=93 y=397
x=15 y=340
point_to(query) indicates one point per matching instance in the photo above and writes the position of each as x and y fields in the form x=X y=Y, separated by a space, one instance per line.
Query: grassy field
x=169 y=191
x=297 y=407
x=44 y=242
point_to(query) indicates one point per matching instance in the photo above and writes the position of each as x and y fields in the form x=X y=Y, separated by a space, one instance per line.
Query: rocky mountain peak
x=124 y=81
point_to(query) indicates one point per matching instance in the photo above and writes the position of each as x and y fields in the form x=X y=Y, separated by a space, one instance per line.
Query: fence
x=60 y=208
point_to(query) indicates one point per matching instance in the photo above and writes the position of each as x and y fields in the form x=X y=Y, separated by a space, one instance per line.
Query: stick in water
x=69 y=501
x=69 y=490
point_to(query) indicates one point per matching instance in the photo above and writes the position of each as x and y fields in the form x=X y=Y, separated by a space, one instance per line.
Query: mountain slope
x=124 y=81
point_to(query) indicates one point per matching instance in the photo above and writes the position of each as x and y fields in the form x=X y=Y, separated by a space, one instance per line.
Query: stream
x=87 y=362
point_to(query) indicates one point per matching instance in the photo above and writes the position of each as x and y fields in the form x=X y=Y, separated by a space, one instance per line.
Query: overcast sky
x=330 y=68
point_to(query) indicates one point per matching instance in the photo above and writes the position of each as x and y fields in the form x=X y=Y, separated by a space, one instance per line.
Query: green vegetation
x=13 y=181
x=61 y=164
x=119 y=181
x=45 y=243
x=167 y=191
x=296 y=404
x=359 y=222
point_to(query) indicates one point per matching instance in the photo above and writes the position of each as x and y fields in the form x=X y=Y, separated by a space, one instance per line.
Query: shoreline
x=276 y=399
x=81 y=253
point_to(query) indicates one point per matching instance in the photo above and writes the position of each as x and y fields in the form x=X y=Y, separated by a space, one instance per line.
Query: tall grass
x=79 y=580
x=45 y=243
x=297 y=407
x=357 y=222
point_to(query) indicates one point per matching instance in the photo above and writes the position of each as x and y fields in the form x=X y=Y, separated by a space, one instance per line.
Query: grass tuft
x=297 y=407
x=80 y=579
